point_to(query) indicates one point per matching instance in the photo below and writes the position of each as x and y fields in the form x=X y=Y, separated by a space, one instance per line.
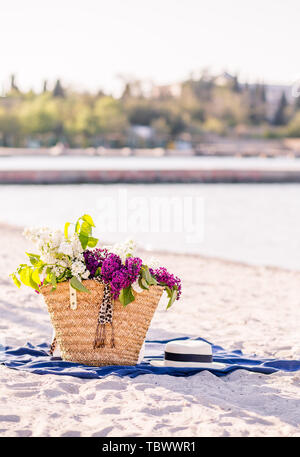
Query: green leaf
x=87 y=218
x=35 y=276
x=26 y=278
x=76 y=284
x=66 y=230
x=84 y=239
x=148 y=277
x=15 y=280
x=77 y=226
x=92 y=242
x=33 y=261
x=33 y=258
x=152 y=282
x=86 y=229
x=32 y=255
x=144 y=284
x=126 y=296
x=172 y=298
x=41 y=268
x=168 y=290
x=140 y=281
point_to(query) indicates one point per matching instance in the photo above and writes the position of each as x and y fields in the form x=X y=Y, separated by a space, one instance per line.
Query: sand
x=255 y=309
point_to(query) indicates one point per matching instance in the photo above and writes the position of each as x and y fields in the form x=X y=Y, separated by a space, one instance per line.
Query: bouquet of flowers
x=74 y=257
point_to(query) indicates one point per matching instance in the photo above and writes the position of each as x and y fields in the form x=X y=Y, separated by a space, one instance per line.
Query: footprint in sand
x=90 y=396
x=71 y=434
x=10 y=418
x=143 y=387
x=161 y=411
x=110 y=385
x=25 y=393
x=50 y=393
x=69 y=387
x=103 y=432
x=111 y=411
x=22 y=385
x=177 y=429
x=23 y=433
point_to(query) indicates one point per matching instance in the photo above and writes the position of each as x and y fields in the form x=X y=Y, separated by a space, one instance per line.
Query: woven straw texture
x=75 y=329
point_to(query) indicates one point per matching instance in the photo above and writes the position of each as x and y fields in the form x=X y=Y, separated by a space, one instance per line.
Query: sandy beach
x=237 y=306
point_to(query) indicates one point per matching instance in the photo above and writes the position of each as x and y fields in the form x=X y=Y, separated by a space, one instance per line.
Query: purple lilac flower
x=133 y=266
x=120 y=280
x=94 y=259
x=118 y=275
x=111 y=264
x=162 y=276
x=121 y=276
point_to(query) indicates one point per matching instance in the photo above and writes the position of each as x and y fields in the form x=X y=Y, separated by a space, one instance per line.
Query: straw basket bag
x=75 y=329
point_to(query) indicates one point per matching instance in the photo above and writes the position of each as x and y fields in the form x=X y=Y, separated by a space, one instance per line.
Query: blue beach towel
x=35 y=359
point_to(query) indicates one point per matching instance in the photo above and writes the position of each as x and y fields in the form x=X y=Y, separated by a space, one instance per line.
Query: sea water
x=254 y=223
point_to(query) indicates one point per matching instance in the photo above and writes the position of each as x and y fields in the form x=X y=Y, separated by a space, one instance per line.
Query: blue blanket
x=35 y=359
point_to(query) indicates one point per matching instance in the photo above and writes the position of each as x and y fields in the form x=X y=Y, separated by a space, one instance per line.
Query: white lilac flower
x=31 y=233
x=124 y=249
x=130 y=246
x=48 y=258
x=65 y=248
x=79 y=257
x=77 y=268
x=56 y=238
x=65 y=262
x=85 y=275
x=153 y=263
x=108 y=247
x=57 y=270
x=76 y=245
x=27 y=233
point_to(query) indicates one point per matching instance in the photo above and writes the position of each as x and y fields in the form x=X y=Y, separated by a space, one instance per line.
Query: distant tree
x=58 y=90
x=109 y=115
x=161 y=129
x=45 y=84
x=236 y=85
x=38 y=116
x=13 y=85
x=297 y=103
x=280 y=116
x=10 y=128
x=257 y=104
x=262 y=93
x=127 y=92
x=293 y=127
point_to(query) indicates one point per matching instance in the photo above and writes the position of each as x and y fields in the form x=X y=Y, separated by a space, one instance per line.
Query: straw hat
x=188 y=354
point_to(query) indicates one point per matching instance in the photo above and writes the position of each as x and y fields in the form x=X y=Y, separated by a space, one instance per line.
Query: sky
x=98 y=44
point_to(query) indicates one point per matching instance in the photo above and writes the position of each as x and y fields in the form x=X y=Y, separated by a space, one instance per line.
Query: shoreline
x=178 y=169
x=49 y=177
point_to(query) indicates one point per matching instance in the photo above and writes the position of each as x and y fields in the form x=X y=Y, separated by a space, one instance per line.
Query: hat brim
x=171 y=364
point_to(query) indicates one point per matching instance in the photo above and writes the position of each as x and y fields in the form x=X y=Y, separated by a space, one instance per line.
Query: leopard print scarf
x=105 y=317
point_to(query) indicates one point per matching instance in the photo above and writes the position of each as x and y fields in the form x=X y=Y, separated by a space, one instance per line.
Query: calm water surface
x=258 y=223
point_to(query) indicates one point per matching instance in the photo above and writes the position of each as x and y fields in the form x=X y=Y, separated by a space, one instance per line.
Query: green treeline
x=82 y=119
